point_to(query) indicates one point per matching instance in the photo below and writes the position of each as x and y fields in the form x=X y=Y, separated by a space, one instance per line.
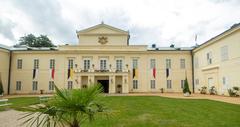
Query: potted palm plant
x=67 y=108
x=186 y=90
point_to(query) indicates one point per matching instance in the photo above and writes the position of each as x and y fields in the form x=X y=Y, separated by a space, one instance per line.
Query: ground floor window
x=18 y=85
x=35 y=86
x=182 y=83
x=51 y=85
x=70 y=85
x=153 y=85
x=169 y=84
x=135 y=84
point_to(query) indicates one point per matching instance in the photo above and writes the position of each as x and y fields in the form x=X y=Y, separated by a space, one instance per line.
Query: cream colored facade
x=224 y=69
x=4 y=67
x=104 y=55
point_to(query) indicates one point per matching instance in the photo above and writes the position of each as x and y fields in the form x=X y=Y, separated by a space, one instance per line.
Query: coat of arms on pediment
x=102 y=40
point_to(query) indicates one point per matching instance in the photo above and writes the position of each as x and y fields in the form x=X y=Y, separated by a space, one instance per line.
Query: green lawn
x=129 y=111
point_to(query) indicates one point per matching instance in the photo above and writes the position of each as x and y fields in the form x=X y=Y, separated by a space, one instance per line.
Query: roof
x=4 y=47
x=219 y=36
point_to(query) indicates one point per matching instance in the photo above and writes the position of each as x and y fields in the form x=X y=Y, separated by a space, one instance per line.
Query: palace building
x=104 y=55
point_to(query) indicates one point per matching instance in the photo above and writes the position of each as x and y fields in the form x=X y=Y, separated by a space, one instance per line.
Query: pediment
x=102 y=29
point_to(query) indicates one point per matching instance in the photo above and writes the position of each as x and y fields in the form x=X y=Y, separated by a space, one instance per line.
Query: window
x=169 y=84
x=18 y=85
x=51 y=85
x=182 y=83
x=19 y=64
x=52 y=63
x=103 y=64
x=135 y=63
x=86 y=64
x=224 y=53
x=135 y=84
x=209 y=57
x=168 y=63
x=36 y=64
x=152 y=63
x=196 y=62
x=119 y=65
x=182 y=63
x=70 y=63
x=70 y=85
x=197 y=81
x=35 y=86
x=153 y=86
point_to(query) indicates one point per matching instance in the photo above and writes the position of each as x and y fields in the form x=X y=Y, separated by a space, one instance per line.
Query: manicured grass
x=139 y=111
x=17 y=103
x=165 y=112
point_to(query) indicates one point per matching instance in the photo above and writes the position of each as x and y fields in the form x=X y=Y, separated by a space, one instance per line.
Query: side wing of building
x=4 y=68
x=217 y=62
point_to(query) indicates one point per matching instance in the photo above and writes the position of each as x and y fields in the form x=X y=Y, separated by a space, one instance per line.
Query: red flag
x=53 y=73
x=154 y=72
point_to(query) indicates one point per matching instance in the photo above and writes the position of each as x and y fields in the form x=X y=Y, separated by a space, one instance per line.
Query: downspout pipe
x=193 y=86
x=9 y=71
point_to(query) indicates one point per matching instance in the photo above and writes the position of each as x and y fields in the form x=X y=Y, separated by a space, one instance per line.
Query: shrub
x=203 y=90
x=233 y=92
x=186 y=87
x=212 y=90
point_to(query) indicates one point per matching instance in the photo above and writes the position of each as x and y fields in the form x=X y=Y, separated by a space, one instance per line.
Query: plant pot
x=187 y=94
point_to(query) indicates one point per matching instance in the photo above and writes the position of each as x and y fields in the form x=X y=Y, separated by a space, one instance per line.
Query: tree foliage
x=33 y=41
x=68 y=108
x=186 y=87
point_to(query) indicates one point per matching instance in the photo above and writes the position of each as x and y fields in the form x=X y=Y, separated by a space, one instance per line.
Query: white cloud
x=156 y=21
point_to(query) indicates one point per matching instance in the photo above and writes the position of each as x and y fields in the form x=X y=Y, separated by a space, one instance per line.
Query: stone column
x=112 y=86
x=125 y=84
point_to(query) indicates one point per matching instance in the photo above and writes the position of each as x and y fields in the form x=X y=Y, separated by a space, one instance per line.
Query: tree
x=33 y=41
x=186 y=87
x=1 y=87
x=68 y=108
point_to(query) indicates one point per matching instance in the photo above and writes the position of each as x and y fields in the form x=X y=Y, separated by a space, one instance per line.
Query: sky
x=160 y=22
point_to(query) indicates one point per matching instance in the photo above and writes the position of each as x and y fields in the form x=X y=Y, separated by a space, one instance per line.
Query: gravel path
x=10 y=118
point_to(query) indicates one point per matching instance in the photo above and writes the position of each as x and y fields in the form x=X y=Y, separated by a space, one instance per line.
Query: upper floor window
x=119 y=65
x=19 y=64
x=18 y=85
x=152 y=63
x=86 y=64
x=182 y=63
x=70 y=63
x=224 y=53
x=168 y=63
x=135 y=63
x=36 y=64
x=153 y=84
x=52 y=63
x=103 y=64
x=209 y=57
x=196 y=65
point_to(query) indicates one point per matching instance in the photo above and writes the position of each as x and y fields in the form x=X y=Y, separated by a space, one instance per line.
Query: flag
x=167 y=72
x=134 y=72
x=154 y=72
x=71 y=73
x=68 y=73
x=35 y=73
x=52 y=73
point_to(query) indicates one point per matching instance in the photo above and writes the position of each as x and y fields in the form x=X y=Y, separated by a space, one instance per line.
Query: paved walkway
x=233 y=100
